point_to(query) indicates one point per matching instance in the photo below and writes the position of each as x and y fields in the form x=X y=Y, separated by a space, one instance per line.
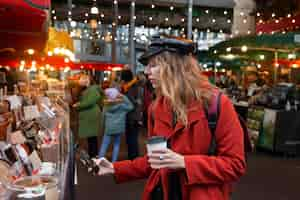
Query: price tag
x=31 y=112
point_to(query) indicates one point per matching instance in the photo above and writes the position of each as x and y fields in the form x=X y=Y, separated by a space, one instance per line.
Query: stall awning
x=278 y=25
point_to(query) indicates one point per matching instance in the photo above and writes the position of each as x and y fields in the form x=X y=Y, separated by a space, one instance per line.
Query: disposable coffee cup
x=156 y=143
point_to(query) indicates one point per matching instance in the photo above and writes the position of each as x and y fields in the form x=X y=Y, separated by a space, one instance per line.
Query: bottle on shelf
x=288 y=106
x=16 y=90
x=5 y=91
x=296 y=103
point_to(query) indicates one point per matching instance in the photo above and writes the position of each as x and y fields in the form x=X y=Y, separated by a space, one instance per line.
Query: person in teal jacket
x=115 y=111
x=89 y=114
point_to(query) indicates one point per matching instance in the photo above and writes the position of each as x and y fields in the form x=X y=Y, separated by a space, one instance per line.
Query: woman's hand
x=166 y=159
x=105 y=167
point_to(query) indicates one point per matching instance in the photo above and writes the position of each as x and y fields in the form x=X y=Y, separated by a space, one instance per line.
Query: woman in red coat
x=182 y=92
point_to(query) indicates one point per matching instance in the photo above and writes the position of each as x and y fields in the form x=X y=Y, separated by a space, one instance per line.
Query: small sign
x=31 y=112
x=15 y=102
x=297 y=38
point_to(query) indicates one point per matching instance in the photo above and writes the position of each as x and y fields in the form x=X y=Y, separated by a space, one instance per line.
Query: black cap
x=159 y=45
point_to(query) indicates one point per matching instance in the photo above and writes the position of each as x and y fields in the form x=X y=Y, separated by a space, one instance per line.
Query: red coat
x=205 y=177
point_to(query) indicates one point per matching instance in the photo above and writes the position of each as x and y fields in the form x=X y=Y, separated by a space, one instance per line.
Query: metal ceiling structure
x=214 y=21
x=203 y=3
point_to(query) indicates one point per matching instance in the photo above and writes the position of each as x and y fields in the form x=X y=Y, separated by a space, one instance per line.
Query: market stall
x=36 y=152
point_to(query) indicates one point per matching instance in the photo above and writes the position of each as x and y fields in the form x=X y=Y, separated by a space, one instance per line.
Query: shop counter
x=280 y=131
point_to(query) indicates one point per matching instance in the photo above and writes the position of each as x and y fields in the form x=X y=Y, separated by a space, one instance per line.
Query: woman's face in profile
x=152 y=71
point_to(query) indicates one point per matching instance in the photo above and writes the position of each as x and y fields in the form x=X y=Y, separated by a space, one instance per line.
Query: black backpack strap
x=212 y=115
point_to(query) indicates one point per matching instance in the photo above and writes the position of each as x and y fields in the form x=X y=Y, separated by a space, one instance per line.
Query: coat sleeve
x=128 y=170
x=138 y=168
x=229 y=164
x=90 y=99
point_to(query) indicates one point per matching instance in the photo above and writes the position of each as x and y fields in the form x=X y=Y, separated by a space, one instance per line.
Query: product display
x=34 y=146
x=254 y=123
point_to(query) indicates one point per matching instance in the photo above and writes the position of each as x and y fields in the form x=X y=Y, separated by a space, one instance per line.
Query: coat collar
x=163 y=112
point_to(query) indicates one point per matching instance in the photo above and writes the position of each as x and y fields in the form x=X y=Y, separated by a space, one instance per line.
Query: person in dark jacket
x=131 y=90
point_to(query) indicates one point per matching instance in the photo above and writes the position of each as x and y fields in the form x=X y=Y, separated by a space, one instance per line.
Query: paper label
x=31 y=112
x=35 y=160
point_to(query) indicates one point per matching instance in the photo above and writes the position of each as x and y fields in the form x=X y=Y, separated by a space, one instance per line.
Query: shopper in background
x=184 y=170
x=115 y=111
x=129 y=87
x=89 y=113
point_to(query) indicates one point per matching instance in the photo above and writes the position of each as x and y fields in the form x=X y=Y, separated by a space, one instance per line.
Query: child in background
x=115 y=109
